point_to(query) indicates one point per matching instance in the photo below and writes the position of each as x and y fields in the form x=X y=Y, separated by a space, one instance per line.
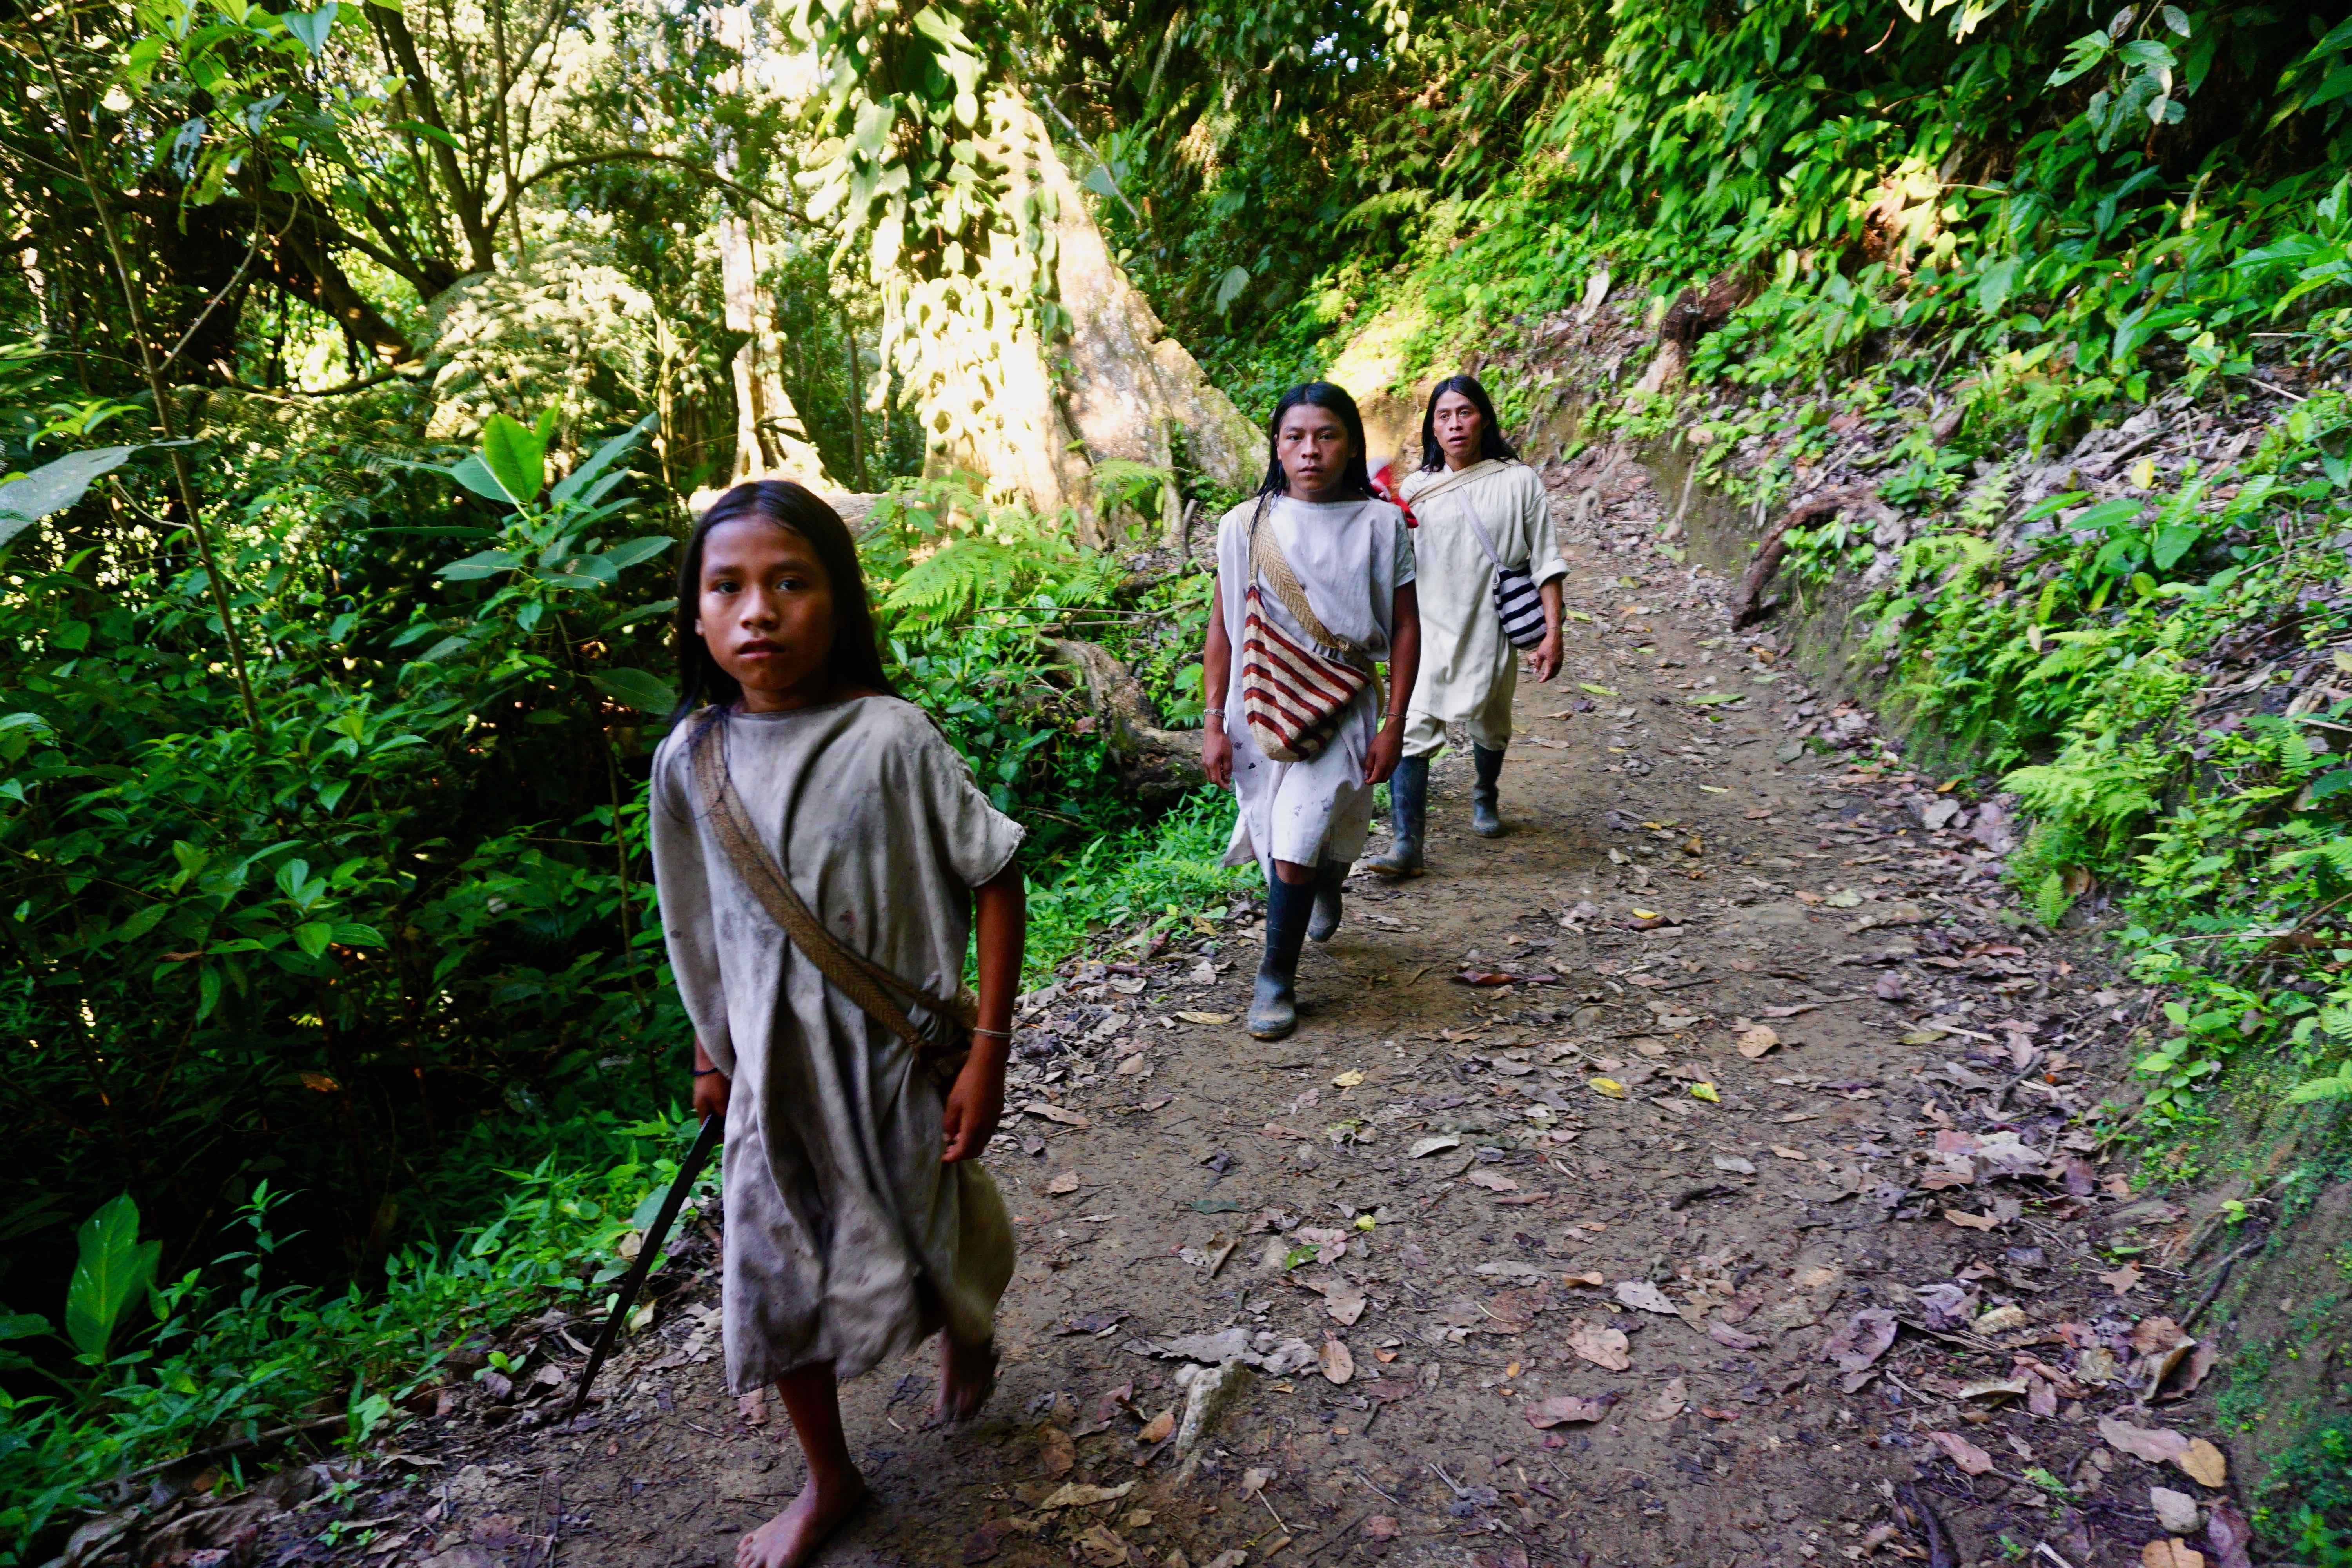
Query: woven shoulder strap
x=1267 y=561
x=853 y=974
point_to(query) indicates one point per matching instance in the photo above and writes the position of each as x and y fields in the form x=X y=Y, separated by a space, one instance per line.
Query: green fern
x=953 y=580
x=2337 y=1087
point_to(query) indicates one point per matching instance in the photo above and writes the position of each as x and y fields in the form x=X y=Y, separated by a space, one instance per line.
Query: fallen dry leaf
x=1436 y=1142
x=1595 y=1278
x=1607 y=1086
x=1971 y=1459
x=1865 y=1337
x=1380 y=1527
x=2166 y=1553
x=2202 y=1463
x=1730 y=1338
x=1067 y=1181
x=1498 y=977
x=2154 y=1444
x=1078 y=1494
x=1494 y=1181
x=1338 y=1365
x=2123 y=1280
x=1971 y=1221
x=1564 y=1409
x=1053 y=1113
x=1349 y=1079
x=1784 y=1152
x=1157 y=1429
x=1192 y=1017
x=1755 y=1041
x=1055 y=1452
x=1602 y=1347
x=1641 y=1294
x=1668 y=1404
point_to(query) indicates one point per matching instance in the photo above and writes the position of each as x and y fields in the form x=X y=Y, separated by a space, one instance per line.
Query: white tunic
x=847 y=1240
x=1351 y=557
x=1466 y=664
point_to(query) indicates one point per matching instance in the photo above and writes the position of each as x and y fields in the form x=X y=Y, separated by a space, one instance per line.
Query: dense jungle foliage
x=362 y=362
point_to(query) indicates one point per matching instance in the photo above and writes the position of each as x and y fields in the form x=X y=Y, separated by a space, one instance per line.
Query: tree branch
x=634 y=155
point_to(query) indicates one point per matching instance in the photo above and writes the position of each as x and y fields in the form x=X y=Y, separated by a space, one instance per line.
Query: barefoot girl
x=797 y=794
x=1314 y=586
x=1480 y=509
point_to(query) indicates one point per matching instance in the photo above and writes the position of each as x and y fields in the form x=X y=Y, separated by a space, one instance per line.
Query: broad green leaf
x=2173 y=540
x=2337 y=85
x=638 y=689
x=569 y=487
x=352 y=933
x=418 y=127
x=485 y=564
x=639 y=550
x=516 y=458
x=54 y=486
x=2109 y=514
x=113 y=1268
x=475 y=475
x=312 y=27
x=22 y=1325
x=312 y=937
x=1712 y=698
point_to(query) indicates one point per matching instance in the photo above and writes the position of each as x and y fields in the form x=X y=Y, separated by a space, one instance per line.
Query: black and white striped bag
x=1516 y=602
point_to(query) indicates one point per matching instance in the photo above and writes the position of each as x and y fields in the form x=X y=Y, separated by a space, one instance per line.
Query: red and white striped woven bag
x=1293 y=694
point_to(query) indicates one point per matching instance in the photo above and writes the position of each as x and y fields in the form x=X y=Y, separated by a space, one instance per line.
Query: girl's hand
x=712 y=1086
x=1386 y=751
x=975 y=1105
x=1545 y=660
x=711 y=1090
x=1217 y=755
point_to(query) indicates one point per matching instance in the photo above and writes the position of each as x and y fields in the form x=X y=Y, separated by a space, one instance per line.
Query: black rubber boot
x=1484 y=821
x=1408 y=807
x=1273 y=1005
x=1330 y=876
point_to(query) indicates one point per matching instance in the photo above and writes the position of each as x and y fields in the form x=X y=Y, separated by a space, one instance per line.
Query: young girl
x=858 y=1221
x=1476 y=504
x=1305 y=821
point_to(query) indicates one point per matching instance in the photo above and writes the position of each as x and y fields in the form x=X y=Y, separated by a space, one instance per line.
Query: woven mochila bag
x=1293 y=693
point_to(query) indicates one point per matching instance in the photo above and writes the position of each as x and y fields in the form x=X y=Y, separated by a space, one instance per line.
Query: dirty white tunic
x=847 y=1240
x=1351 y=557
x=1468 y=669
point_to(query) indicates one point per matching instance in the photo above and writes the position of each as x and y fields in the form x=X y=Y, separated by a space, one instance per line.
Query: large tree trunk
x=1157 y=766
x=1126 y=382
x=770 y=442
x=1034 y=417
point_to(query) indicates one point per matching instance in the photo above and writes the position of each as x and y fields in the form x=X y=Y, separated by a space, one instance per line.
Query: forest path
x=1707 y=1247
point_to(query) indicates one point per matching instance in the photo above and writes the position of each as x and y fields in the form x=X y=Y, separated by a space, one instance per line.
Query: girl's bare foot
x=967 y=1377
x=793 y=1537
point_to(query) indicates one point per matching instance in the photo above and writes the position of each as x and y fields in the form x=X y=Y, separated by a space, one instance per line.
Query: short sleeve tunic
x=1351 y=557
x=1467 y=666
x=847 y=1240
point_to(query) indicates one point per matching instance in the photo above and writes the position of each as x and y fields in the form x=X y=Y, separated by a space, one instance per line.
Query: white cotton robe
x=1351 y=557
x=1468 y=669
x=846 y=1239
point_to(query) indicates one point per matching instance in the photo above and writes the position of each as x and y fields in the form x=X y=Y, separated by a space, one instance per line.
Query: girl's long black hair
x=1358 y=480
x=857 y=658
x=1490 y=433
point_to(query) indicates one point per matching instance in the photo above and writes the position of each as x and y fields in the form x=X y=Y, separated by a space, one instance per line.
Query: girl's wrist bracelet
x=703 y=1073
x=1000 y=1034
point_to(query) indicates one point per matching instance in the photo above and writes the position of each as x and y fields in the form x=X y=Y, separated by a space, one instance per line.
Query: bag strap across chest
x=1268 y=562
x=851 y=974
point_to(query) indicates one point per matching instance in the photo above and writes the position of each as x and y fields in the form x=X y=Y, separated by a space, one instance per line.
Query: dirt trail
x=1478 y=1228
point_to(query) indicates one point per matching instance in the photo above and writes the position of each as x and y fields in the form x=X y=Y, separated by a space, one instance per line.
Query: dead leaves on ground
x=1563 y=1410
